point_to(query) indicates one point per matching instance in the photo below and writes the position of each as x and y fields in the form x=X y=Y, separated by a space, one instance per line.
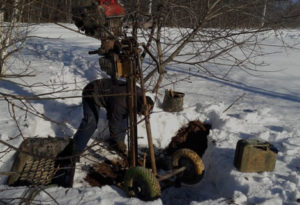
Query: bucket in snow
x=173 y=101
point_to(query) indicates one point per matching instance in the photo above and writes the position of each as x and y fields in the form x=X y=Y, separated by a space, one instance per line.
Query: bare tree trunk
x=9 y=33
x=159 y=81
x=150 y=7
x=264 y=13
x=68 y=11
x=2 y=34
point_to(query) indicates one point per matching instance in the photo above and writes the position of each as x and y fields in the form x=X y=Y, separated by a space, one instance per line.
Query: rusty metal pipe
x=131 y=84
x=173 y=173
x=147 y=118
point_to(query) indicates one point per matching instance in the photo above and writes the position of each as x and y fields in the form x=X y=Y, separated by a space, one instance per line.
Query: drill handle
x=94 y=52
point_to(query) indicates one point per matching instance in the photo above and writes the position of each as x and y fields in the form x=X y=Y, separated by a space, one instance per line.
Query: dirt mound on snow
x=192 y=136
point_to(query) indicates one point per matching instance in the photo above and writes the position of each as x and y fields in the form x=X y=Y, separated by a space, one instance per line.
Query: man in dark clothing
x=113 y=97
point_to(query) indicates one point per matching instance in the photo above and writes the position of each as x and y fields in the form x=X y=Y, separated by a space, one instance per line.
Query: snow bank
x=269 y=109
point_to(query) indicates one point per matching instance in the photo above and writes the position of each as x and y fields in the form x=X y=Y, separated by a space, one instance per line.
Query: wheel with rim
x=194 y=167
x=141 y=183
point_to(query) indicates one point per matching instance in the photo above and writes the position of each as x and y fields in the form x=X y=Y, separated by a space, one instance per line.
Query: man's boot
x=118 y=145
x=122 y=146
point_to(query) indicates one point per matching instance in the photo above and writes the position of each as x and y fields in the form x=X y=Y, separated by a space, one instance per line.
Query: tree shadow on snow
x=295 y=165
x=242 y=86
x=68 y=54
x=56 y=111
x=81 y=64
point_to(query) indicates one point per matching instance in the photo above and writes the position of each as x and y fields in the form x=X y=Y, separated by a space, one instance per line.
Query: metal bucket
x=173 y=101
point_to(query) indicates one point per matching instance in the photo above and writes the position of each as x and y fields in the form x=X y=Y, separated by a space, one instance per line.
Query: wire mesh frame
x=38 y=161
x=37 y=172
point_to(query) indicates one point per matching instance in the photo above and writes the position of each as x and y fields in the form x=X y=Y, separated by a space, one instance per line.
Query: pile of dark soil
x=192 y=136
x=107 y=172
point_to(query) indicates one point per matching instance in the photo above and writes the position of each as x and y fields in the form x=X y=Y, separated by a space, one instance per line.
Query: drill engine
x=102 y=19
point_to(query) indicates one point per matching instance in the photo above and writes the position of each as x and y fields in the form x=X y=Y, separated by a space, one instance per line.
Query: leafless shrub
x=205 y=35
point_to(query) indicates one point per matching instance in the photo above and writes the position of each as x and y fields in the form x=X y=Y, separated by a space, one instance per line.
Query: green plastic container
x=253 y=155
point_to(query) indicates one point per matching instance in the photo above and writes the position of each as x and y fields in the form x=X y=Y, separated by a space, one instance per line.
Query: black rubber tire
x=141 y=183
x=194 y=166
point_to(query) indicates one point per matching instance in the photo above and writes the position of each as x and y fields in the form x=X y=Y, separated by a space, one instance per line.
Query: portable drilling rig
x=120 y=57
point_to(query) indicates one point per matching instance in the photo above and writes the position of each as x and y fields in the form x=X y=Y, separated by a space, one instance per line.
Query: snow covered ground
x=269 y=110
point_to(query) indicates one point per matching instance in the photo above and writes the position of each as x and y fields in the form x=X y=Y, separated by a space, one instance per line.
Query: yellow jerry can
x=253 y=155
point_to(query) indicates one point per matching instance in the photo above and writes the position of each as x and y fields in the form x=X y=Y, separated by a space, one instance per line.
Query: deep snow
x=269 y=110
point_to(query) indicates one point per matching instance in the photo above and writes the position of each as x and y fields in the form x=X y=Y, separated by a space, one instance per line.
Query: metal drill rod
x=173 y=173
x=131 y=83
x=147 y=118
